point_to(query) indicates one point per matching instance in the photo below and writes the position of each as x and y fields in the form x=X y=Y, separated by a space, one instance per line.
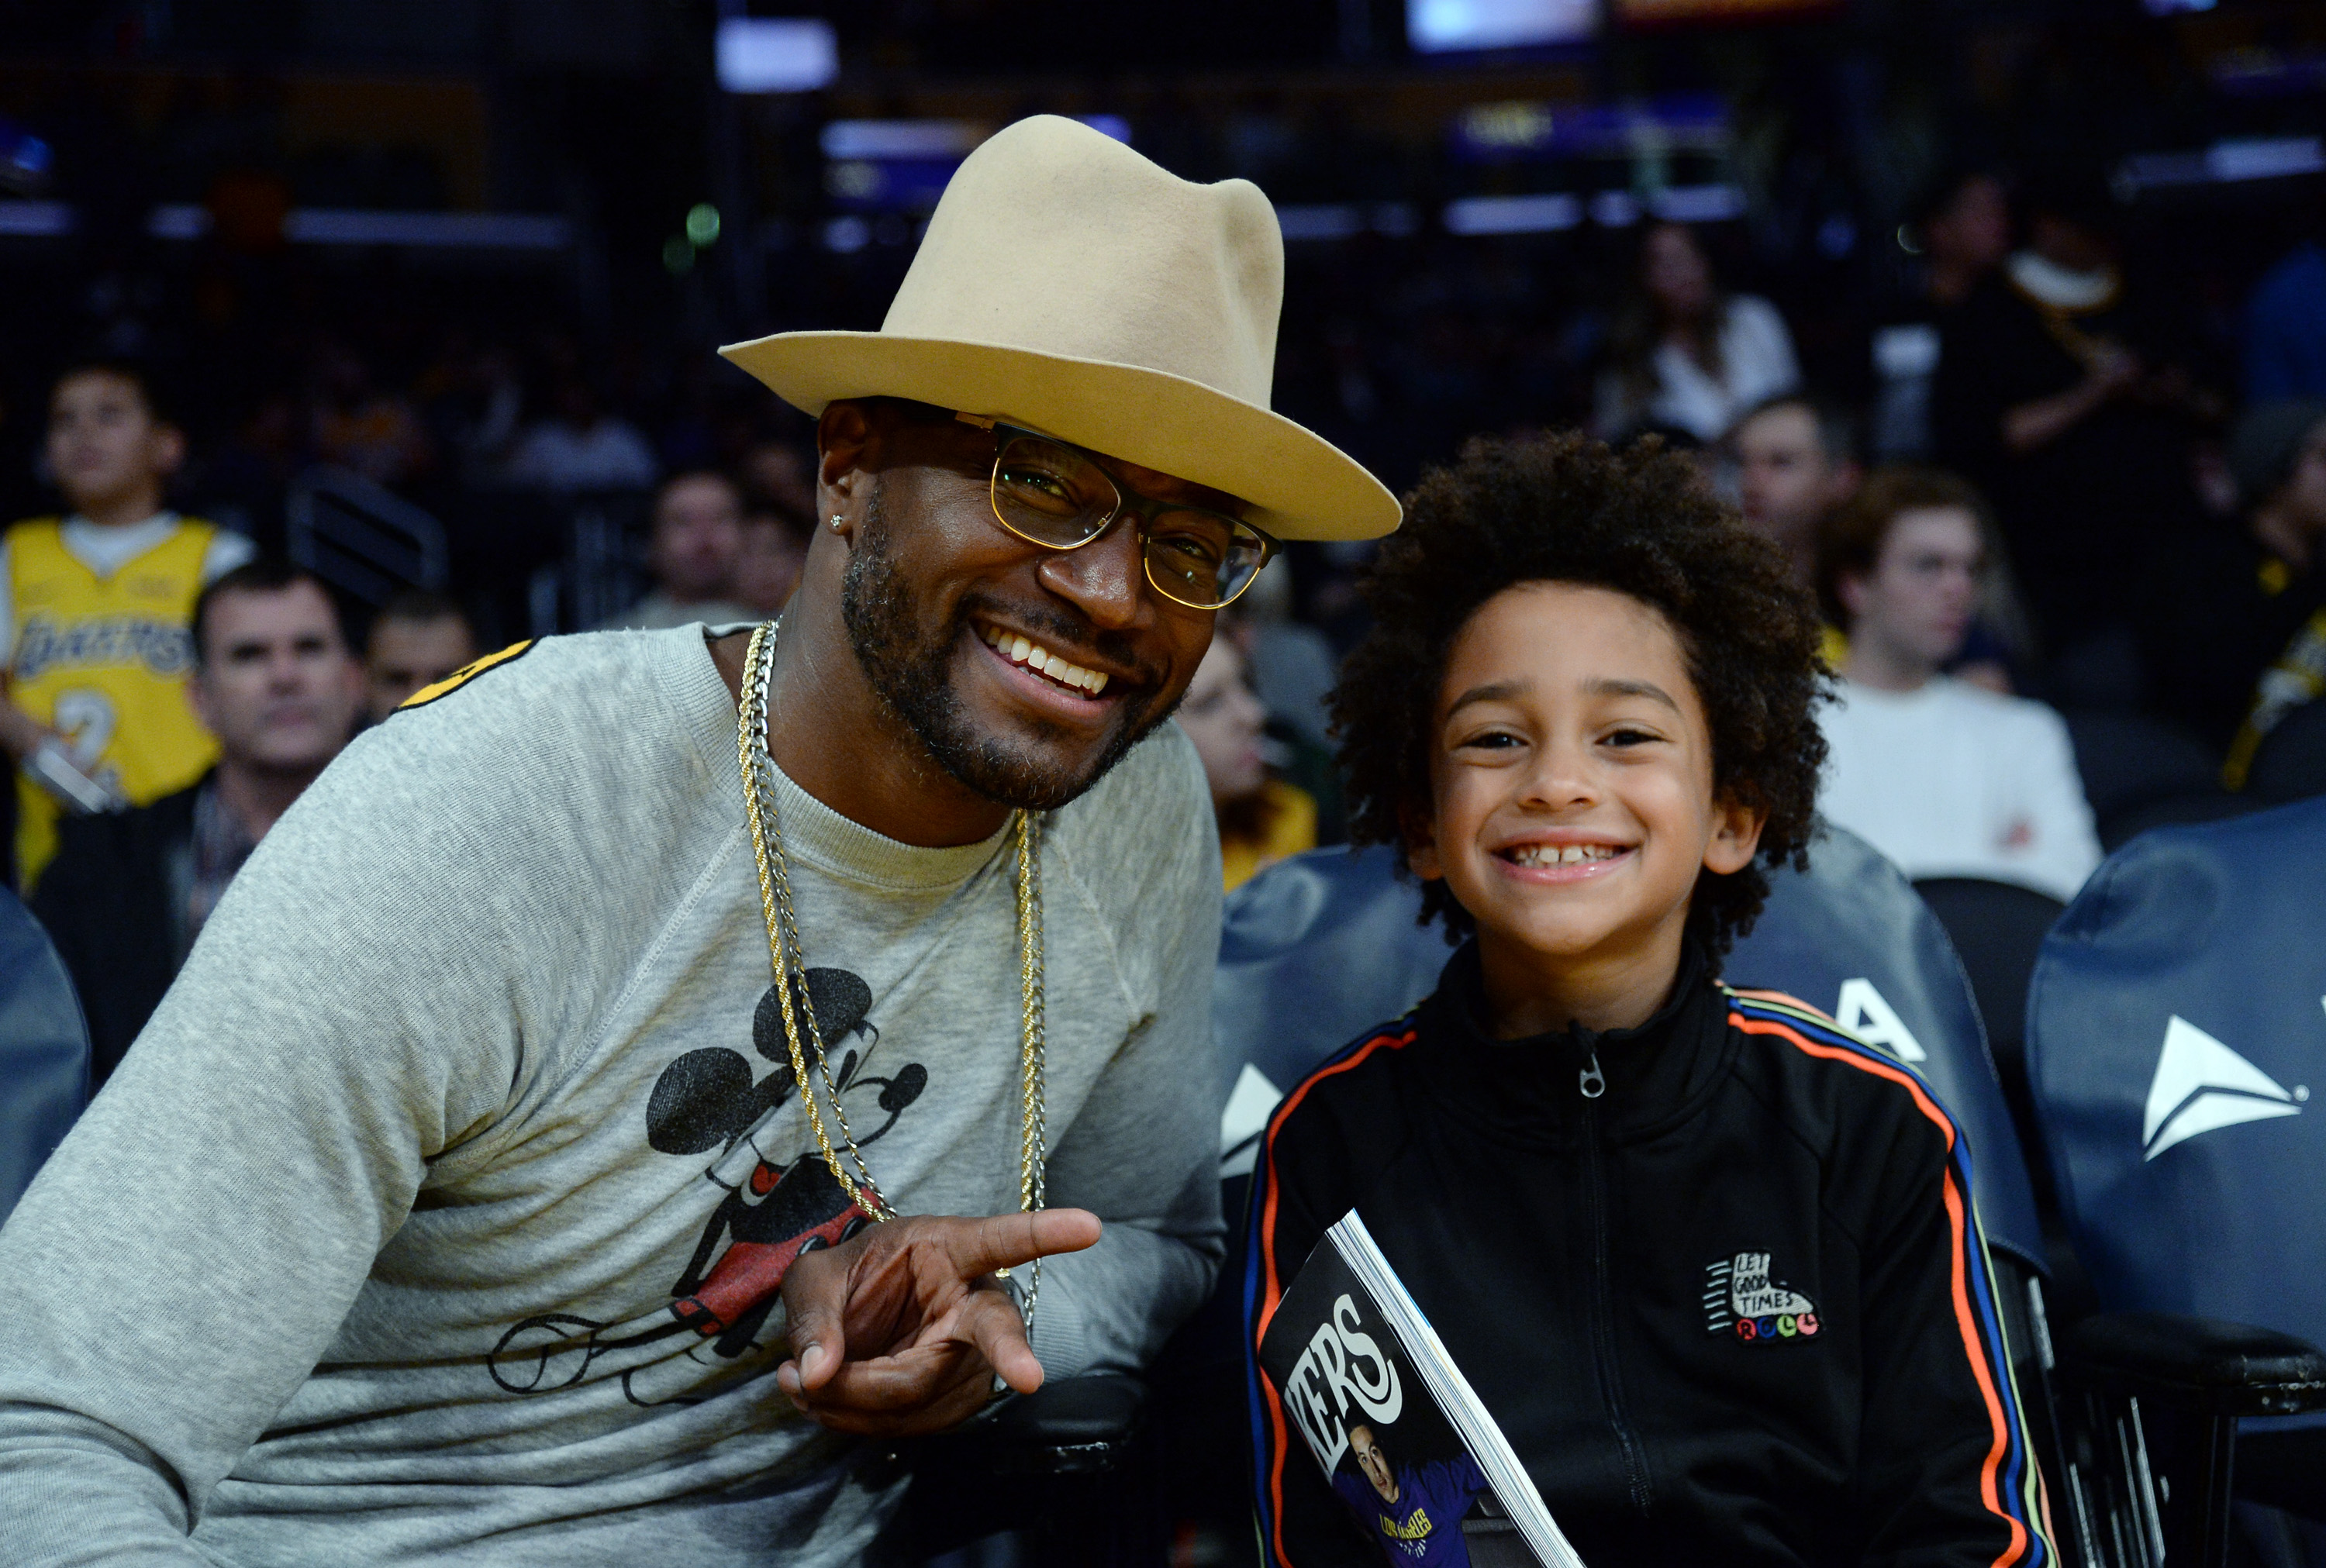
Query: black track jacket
x=1733 y=1310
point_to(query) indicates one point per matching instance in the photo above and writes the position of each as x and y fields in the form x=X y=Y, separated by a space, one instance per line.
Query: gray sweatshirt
x=434 y=1217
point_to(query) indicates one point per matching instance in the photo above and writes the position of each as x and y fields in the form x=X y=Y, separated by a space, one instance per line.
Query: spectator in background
x=1961 y=229
x=1262 y=819
x=1796 y=465
x=779 y=484
x=1289 y=665
x=579 y=446
x=2285 y=327
x=768 y=562
x=417 y=639
x=1964 y=225
x=698 y=542
x=92 y=704
x=372 y=433
x=1686 y=353
x=2247 y=623
x=780 y=476
x=475 y=401
x=129 y=891
x=1796 y=461
x=2054 y=394
x=1945 y=779
x=246 y=479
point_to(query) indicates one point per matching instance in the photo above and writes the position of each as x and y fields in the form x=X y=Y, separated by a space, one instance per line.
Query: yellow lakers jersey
x=104 y=660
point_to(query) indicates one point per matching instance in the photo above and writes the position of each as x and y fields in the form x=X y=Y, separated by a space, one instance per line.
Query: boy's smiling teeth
x=1561 y=854
x=1018 y=650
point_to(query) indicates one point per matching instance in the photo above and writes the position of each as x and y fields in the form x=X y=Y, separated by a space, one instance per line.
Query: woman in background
x=1686 y=354
x=1262 y=819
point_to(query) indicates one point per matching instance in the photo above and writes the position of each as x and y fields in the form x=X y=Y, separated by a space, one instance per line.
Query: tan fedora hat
x=1069 y=285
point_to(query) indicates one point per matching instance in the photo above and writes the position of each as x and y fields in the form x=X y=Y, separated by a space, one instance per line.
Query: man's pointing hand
x=900 y=1330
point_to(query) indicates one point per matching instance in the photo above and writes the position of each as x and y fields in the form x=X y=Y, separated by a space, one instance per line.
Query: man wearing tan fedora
x=650 y=1061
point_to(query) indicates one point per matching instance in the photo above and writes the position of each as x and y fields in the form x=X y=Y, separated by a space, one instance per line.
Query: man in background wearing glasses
x=459 y=1203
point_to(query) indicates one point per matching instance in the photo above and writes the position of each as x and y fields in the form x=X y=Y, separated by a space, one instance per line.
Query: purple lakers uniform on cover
x=1423 y=1528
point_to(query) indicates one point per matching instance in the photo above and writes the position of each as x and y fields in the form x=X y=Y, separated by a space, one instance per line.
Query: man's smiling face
x=1027 y=672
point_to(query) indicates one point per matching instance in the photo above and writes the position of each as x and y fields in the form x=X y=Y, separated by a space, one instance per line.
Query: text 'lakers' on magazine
x=1393 y=1426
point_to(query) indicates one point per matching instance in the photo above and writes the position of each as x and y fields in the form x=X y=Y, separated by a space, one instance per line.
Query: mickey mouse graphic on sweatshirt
x=772 y=1209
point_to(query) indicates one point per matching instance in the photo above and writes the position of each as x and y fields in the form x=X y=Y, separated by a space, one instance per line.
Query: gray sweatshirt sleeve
x=188 y=1255
x=1143 y=1153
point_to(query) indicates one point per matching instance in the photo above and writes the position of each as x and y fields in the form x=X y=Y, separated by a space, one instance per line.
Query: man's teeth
x=1562 y=854
x=1037 y=658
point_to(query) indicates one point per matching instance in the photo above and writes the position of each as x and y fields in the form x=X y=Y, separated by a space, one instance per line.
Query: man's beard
x=913 y=676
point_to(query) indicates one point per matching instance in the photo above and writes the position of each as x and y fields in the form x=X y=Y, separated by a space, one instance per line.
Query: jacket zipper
x=1603 y=1317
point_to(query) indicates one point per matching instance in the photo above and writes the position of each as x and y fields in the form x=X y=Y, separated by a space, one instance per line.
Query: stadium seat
x=2174 y=1032
x=2290 y=765
x=1058 y=1468
x=2213 y=805
x=2130 y=759
x=43 y=1050
x=1852 y=937
x=1997 y=928
x=2141 y=772
x=1313 y=950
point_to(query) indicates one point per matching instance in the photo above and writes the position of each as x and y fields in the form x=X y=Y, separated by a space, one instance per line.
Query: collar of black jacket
x=1654 y=1075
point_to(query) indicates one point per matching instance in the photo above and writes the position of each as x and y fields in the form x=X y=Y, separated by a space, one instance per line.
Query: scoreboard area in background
x=1672 y=13
x=1472 y=26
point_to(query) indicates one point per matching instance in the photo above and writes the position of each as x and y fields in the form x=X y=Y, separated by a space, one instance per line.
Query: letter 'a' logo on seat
x=1866 y=1012
x=2200 y=1084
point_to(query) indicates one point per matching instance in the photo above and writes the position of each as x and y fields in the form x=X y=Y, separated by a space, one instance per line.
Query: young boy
x=1709 y=1262
x=94 y=651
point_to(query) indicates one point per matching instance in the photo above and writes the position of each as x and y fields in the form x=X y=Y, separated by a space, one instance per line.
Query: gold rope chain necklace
x=793 y=998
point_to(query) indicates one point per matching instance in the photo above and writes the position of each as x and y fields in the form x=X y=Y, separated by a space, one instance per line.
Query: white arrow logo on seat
x=2201 y=1084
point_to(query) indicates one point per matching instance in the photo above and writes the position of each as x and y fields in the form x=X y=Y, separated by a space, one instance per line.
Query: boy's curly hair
x=1564 y=508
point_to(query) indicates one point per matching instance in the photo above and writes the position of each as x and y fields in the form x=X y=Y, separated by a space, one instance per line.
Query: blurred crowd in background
x=431 y=296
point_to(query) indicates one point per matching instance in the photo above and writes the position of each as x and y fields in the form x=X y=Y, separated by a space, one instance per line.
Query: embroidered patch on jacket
x=464 y=674
x=1741 y=1299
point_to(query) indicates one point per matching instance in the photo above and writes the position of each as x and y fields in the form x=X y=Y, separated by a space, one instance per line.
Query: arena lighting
x=1698 y=203
x=1345 y=220
x=1713 y=13
x=427 y=230
x=850 y=139
x=1552 y=213
x=847 y=235
x=36 y=220
x=902 y=166
x=854 y=140
x=2268 y=74
x=26 y=159
x=1615 y=209
x=1446 y=26
x=1512 y=214
x=776 y=54
x=324 y=226
x=1524 y=132
x=2225 y=163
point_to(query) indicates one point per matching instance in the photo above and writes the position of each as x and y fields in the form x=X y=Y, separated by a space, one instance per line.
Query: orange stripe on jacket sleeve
x=1957 y=1221
x=1269 y=1289
x=1272 y=1293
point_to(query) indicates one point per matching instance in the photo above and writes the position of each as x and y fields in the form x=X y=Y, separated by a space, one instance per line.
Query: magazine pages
x=1393 y=1424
